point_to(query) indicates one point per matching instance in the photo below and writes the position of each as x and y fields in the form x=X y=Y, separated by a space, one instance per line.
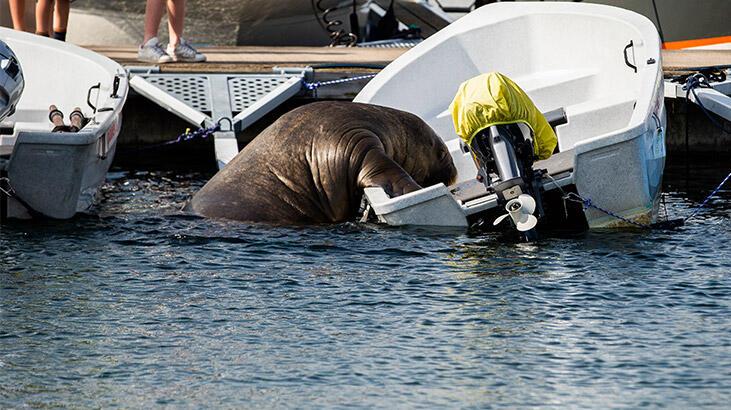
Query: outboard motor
x=11 y=81
x=504 y=157
x=506 y=133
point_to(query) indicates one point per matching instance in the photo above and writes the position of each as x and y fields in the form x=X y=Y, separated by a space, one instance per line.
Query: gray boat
x=48 y=170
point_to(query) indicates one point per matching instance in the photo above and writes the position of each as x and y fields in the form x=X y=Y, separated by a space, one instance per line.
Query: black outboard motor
x=507 y=152
x=506 y=134
x=505 y=156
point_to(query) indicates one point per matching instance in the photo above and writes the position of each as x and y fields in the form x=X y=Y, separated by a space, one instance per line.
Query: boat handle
x=88 y=96
x=115 y=87
x=626 y=57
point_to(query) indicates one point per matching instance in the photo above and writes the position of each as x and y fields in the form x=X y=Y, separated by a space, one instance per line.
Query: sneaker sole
x=150 y=60
x=192 y=60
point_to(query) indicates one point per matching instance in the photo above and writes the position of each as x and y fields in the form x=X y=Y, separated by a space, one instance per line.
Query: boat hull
x=57 y=174
x=608 y=80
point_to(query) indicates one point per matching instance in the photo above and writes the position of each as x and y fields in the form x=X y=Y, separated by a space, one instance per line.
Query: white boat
x=53 y=174
x=601 y=64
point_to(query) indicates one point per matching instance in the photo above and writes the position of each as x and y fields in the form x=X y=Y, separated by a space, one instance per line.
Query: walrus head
x=422 y=153
x=443 y=169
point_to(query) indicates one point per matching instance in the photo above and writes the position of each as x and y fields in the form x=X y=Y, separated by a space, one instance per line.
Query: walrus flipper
x=381 y=171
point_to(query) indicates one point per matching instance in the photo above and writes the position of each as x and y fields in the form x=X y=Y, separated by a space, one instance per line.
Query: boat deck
x=262 y=59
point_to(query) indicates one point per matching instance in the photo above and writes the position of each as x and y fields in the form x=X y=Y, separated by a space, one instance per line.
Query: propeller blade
x=520 y=210
x=529 y=204
x=500 y=219
x=526 y=223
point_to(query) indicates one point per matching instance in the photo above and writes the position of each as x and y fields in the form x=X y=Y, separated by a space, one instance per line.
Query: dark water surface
x=138 y=306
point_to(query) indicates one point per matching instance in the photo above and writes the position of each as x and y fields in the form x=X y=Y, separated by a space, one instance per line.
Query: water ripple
x=139 y=305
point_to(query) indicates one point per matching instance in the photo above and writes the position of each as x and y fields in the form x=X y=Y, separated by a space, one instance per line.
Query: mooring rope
x=708 y=198
x=667 y=224
x=317 y=84
x=201 y=133
x=8 y=191
x=587 y=203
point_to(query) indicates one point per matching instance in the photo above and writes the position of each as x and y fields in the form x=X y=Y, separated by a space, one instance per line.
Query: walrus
x=311 y=165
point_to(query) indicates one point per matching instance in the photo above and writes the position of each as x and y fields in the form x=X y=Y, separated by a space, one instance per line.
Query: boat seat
x=594 y=117
x=558 y=87
x=33 y=126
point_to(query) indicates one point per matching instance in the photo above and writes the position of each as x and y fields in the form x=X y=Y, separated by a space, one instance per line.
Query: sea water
x=137 y=305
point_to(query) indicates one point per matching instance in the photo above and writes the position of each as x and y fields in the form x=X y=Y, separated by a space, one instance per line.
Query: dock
x=346 y=62
x=264 y=59
x=688 y=60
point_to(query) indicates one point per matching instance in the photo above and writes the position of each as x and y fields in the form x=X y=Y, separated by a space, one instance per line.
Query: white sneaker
x=152 y=52
x=185 y=52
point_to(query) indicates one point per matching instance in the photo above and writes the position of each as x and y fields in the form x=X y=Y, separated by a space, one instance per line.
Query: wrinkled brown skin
x=312 y=164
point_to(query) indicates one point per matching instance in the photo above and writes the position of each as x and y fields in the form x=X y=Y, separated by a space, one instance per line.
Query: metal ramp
x=204 y=99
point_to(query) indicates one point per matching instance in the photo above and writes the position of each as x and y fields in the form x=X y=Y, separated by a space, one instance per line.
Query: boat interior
x=52 y=78
x=597 y=86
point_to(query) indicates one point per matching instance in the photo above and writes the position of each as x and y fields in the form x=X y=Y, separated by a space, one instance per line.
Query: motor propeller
x=520 y=210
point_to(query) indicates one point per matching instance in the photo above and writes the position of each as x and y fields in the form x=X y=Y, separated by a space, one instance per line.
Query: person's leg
x=61 y=19
x=43 y=17
x=151 y=51
x=176 y=18
x=153 y=16
x=178 y=48
x=17 y=14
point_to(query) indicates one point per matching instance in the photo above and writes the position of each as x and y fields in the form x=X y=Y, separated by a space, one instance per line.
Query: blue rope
x=188 y=135
x=587 y=203
x=200 y=132
x=708 y=198
x=314 y=86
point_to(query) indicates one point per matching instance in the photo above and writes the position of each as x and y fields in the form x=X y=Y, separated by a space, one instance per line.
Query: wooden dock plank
x=263 y=59
x=682 y=60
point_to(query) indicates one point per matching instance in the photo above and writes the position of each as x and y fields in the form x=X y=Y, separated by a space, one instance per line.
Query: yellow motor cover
x=494 y=99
